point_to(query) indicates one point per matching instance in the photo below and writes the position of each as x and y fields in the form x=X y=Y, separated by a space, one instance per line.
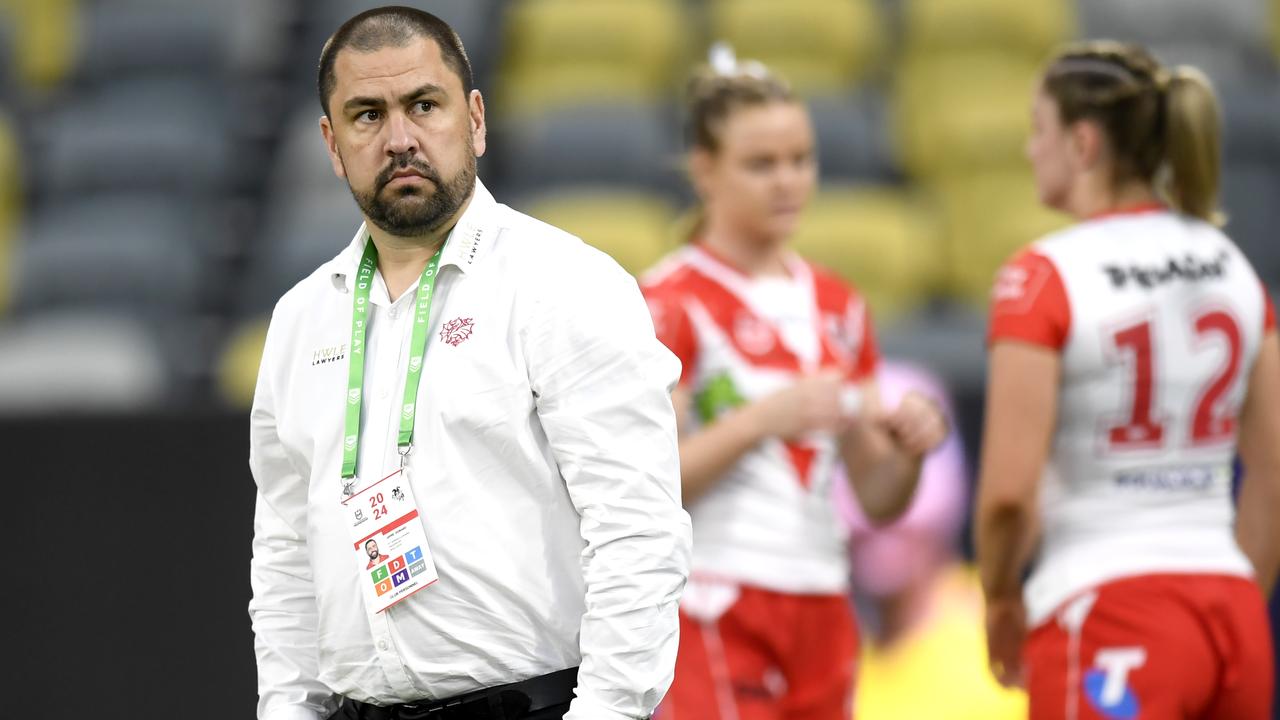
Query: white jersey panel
x=1166 y=321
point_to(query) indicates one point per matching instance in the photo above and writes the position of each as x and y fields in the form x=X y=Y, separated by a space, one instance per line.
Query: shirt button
x=394 y=313
x=382 y=644
x=383 y=393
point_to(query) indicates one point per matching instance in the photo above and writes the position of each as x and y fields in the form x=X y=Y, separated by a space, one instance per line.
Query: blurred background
x=163 y=182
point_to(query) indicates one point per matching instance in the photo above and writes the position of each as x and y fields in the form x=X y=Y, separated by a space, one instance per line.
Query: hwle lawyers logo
x=331 y=354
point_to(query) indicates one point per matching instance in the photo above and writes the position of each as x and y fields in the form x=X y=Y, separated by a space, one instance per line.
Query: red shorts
x=1155 y=647
x=770 y=656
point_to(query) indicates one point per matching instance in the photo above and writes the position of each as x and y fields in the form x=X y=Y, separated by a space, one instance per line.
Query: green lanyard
x=355 y=382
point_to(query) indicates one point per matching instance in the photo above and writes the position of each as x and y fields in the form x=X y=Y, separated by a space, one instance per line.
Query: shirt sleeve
x=602 y=382
x=674 y=328
x=283 y=607
x=1029 y=303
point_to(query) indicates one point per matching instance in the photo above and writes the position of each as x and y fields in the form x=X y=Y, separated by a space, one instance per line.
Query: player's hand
x=812 y=403
x=1006 y=630
x=916 y=426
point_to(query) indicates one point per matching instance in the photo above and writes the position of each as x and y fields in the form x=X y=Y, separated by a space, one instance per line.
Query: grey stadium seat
x=854 y=141
x=140 y=253
x=80 y=362
x=159 y=133
x=613 y=144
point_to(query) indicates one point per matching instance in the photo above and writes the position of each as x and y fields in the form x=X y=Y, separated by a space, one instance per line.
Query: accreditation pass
x=389 y=542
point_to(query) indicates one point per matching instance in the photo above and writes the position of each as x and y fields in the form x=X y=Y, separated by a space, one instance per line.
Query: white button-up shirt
x=545 y=465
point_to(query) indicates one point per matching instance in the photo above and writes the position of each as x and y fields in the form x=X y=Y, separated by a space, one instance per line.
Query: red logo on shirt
x=456 y=330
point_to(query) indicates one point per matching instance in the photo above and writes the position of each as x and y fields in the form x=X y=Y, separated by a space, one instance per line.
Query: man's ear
x=331 y=144
x=475 y=109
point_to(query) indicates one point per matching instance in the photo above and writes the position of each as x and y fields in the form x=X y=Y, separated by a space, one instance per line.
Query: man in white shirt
x=501 y=426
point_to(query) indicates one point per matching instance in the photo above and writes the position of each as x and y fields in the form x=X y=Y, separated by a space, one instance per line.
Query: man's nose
x=400 y=139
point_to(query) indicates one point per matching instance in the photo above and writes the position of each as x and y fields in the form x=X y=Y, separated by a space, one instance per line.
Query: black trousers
x=556 y=712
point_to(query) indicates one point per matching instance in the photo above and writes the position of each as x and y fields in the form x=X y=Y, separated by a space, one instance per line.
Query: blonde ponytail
x=1193 y=144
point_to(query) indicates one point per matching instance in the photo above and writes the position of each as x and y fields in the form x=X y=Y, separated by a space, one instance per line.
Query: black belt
x=502 y=702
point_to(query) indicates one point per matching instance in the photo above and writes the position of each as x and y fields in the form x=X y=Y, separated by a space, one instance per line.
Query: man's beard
x=402 y=217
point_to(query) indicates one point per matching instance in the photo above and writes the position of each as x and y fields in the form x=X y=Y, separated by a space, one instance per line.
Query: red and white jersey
x=1158 y=318
x=769 y=522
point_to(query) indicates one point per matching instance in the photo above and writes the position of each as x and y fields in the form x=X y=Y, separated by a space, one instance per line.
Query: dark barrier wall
x=129 y=569
x=128 y=575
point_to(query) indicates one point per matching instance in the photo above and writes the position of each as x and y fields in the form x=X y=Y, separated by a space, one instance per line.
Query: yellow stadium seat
x=10 y=207
x=1275 y=27
x=988 y=216
x=963 y=111
x=820 y=46
x=635 y=228
x=45 y=38
x=238 y=366
x=882 y=240
x=1029 y=29
x=563 y=51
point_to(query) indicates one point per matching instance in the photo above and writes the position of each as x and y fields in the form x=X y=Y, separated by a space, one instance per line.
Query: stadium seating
x=237 y=370
x=130 y=252
x=161 y=133
x=989 y=216
x=621 y=143
x=1025 y=29
x=119 y=38
x=854 y=138
x=881 y=239
x=44 y=37
x=962 y=111
x=820 y=46
x=634 y=227
x=1225 y=38
x=10 y=206
x=81 y=362
x=562 y=51
x=300 y=232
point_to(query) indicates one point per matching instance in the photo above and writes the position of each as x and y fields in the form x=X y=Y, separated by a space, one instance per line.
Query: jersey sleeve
x=1269 y=311
x=674 y=328
x=868 y=358
x=1029 y=303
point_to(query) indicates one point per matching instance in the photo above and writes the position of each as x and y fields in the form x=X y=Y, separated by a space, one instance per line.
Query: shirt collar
x=468 y=243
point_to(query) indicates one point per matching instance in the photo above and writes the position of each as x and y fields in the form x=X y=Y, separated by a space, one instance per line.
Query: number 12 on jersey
x=1210 y=421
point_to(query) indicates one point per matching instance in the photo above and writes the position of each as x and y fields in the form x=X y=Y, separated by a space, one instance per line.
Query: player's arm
x=1022 y=399
x=707 y=454
x=1257 y=529
x=283 y=608
x=883 y=451
x=807 y=405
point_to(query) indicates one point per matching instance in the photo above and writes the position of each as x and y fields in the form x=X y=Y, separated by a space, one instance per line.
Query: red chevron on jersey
x=801 y=459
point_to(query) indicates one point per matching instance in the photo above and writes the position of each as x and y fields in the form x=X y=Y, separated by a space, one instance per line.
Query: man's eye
x=368 y=116
x=424 y=106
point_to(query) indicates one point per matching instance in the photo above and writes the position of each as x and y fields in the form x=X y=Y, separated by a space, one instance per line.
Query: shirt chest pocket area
x=472 y=400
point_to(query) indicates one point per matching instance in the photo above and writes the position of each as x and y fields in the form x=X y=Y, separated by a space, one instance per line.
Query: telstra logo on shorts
x=353 y=396
x=1107 y=684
